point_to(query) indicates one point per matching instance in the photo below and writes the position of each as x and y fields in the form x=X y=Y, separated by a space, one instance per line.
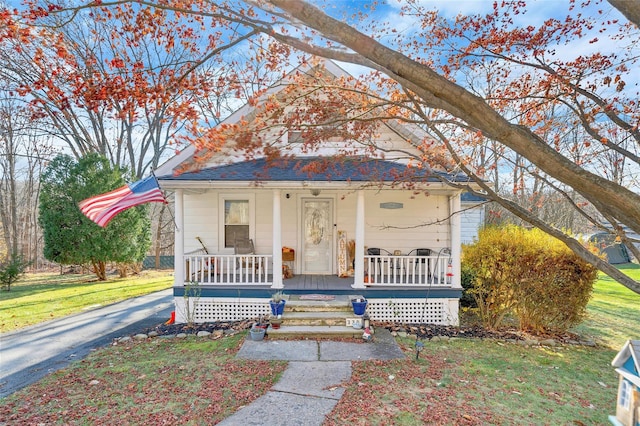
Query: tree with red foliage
x=530 y=99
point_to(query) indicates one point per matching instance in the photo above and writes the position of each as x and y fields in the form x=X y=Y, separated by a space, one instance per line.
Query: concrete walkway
x=312 y=384
x=309 y=389
x=29 y=354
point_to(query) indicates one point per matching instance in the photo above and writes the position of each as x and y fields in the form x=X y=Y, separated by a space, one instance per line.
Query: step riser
x=313 y=321
x=283 y=333
x=318 y=309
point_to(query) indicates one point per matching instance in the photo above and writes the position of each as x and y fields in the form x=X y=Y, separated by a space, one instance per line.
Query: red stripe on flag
x=104 y=207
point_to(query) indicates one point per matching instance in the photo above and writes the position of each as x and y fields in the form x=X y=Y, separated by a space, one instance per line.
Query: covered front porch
x=436 y=304
x=395 y=270
x=410 y=259
x=398 y=246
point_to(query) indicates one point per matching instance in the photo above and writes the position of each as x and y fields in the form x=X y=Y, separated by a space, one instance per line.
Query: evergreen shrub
x=11 y=269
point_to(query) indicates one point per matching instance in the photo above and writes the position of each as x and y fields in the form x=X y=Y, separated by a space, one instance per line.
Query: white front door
x=317 y=237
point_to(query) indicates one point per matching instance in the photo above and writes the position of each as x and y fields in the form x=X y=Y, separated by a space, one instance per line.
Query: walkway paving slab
x=316 y=378
x=279 y=350
x=282 y=409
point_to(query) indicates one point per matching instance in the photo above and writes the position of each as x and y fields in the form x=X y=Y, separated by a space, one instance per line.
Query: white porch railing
x=407 y=270
x=241 y=269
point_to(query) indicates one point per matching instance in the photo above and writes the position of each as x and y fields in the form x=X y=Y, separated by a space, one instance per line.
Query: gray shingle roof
x=315 y=169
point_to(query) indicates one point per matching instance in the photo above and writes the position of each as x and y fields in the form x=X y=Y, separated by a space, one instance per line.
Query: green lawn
x=454 y=382
x=44 y=296
x=613 y=312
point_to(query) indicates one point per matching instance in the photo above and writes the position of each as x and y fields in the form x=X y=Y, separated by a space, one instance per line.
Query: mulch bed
x=422 y=331
x=227 y=326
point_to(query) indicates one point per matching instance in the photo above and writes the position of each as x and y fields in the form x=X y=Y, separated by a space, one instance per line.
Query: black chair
x=375 y=251
x=422 y=252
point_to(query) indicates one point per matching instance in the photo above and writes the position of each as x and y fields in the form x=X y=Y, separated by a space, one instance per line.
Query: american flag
x=104 y=207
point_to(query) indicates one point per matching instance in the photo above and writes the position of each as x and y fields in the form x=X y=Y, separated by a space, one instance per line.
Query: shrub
x=553 y=296
x=531 y=275
x=11 y=269
x=467 y=279
x=494 y=259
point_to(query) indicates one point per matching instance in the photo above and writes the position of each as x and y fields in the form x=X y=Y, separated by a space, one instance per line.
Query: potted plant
x=275 y=322
x=257 y=333
x=277 y=303
x=359 y=305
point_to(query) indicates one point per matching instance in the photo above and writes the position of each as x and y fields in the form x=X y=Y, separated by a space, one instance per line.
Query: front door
x=317 y=238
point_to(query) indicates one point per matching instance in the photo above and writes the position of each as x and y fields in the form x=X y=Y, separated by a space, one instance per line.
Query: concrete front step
x=338 y=304
x=314 y=331
x=306 y=318
x=329 y=318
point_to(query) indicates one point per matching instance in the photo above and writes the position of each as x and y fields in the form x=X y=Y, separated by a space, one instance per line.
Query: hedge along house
x=340 y=216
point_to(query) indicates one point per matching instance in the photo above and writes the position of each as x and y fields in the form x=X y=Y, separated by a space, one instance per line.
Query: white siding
x=471 y=221
x=420 y=223
x=201 y=220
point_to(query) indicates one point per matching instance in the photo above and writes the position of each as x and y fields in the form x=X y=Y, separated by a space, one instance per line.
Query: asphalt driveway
x=31 y=353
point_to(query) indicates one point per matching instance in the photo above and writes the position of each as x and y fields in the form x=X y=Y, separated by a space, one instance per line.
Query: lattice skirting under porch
x=221 y=309
x=442 y=311
x=430 y=311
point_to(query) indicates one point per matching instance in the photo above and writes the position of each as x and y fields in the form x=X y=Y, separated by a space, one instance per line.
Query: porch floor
x=317 y=282
x=324 y=284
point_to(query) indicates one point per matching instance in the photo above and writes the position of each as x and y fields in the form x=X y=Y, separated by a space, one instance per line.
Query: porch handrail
x=228 y=269
x=407 y=270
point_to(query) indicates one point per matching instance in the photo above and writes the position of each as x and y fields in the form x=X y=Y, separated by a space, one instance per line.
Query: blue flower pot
x=277 y=308
x=359 y=306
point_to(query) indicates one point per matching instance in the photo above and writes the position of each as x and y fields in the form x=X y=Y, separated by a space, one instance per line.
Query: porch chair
x=243 y=246
x=375 y=251
x=422 y=252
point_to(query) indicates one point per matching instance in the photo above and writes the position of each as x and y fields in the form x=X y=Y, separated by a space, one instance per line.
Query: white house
x=338 y=217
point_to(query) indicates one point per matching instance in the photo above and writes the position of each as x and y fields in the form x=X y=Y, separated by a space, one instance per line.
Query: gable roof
x=629 y=355
x=247 y=109
x=316 y=169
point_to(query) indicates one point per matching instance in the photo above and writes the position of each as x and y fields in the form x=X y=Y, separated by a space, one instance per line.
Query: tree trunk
x=100 y=269
x=629 y=8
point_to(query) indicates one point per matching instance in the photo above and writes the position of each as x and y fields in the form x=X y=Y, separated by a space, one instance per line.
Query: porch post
x=178 y=261
x=277 y=241
x=456 y=239
x=358 y=278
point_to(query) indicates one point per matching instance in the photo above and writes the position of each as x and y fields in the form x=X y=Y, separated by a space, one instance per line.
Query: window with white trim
x=294 y=136
x=625 y=394
x=236 y=221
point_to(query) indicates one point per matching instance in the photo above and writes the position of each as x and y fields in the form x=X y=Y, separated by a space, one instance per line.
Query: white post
x=456 y=239
x=358 y=273
x=277 y=241
x=178 y=261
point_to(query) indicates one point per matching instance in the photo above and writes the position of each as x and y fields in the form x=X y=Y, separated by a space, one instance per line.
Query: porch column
x=456 y=239
x=277 y=241
x=358 y=273
x=178 y=252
